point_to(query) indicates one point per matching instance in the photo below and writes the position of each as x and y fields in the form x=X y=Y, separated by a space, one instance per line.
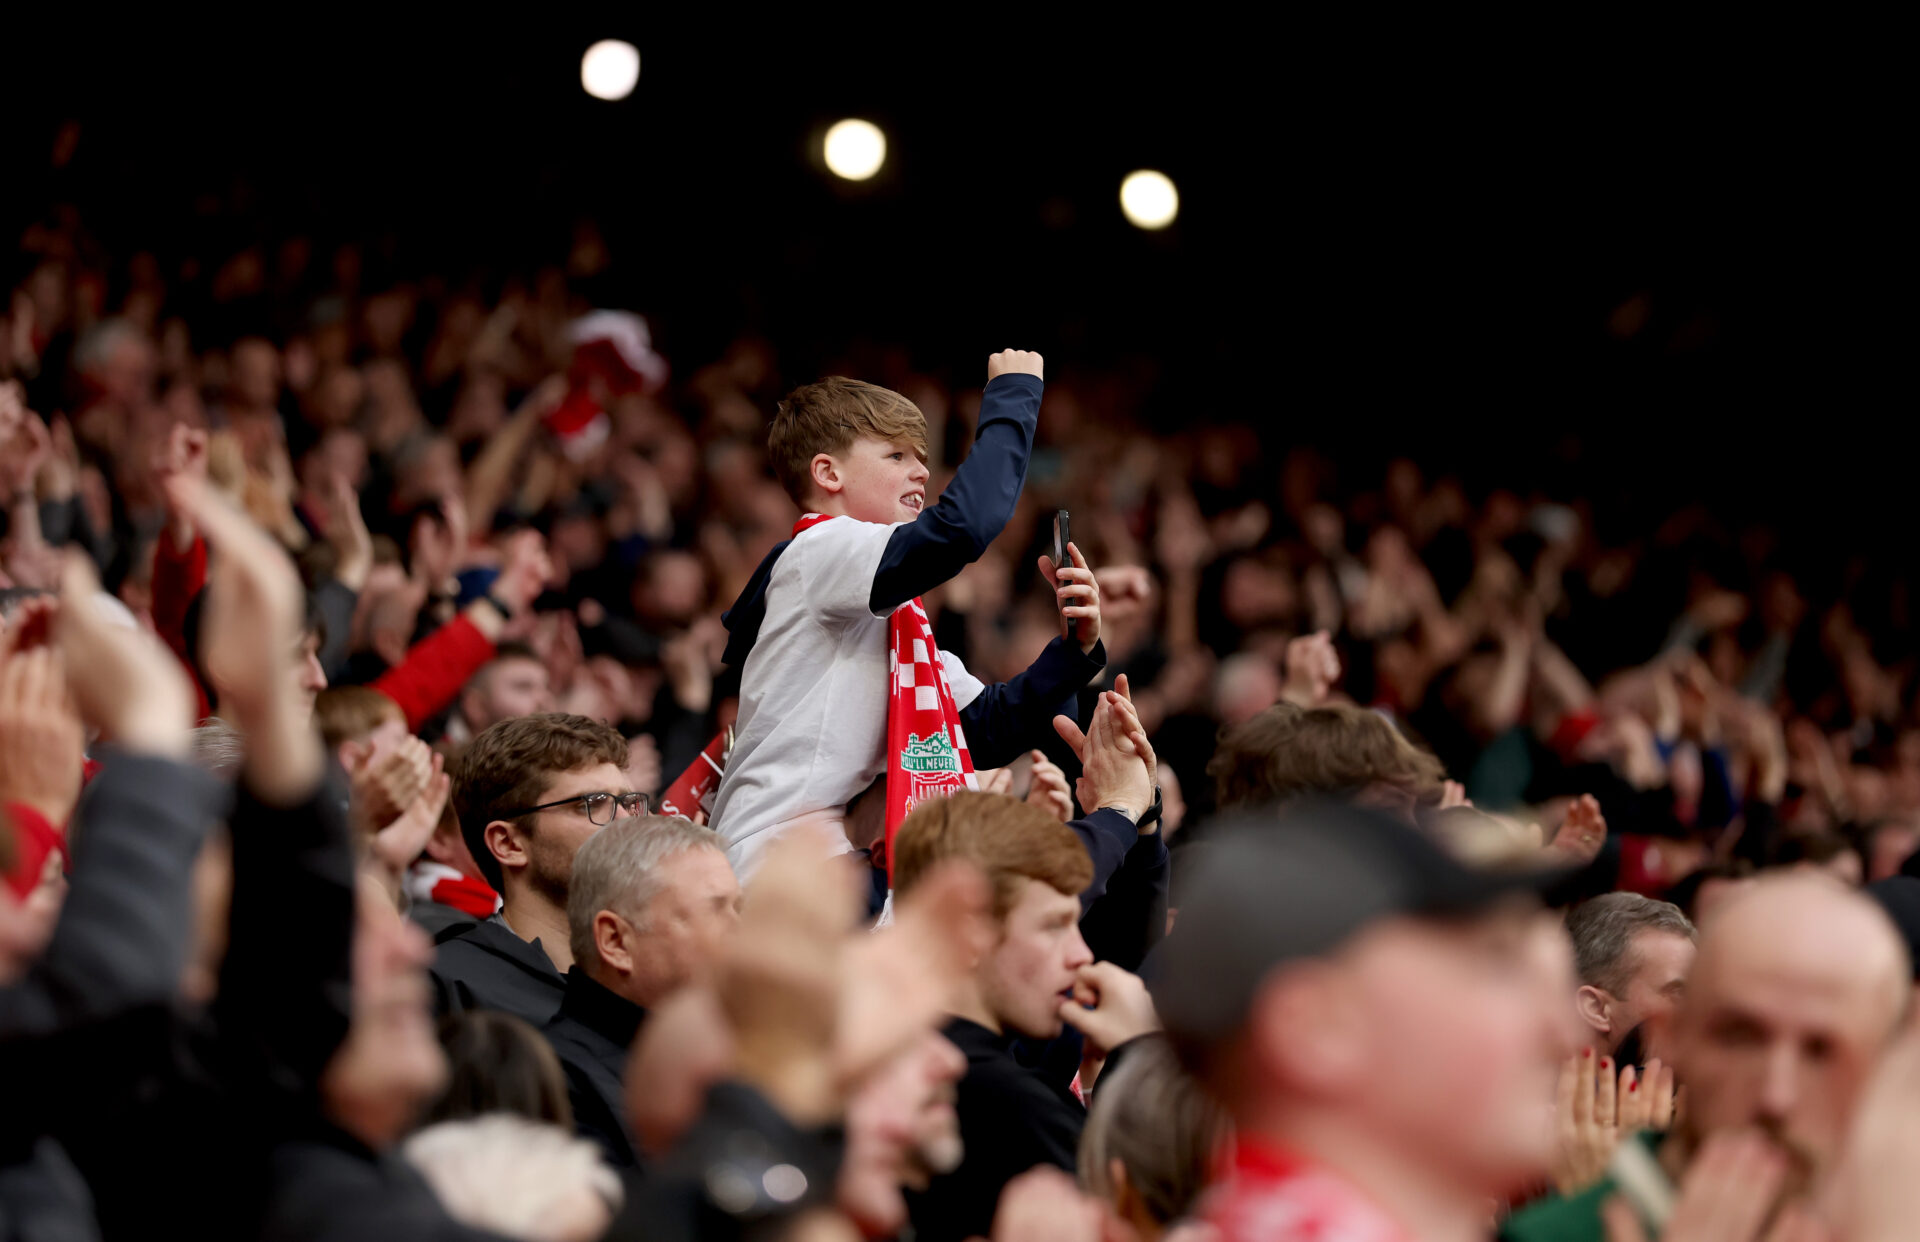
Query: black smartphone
x=1062 y=536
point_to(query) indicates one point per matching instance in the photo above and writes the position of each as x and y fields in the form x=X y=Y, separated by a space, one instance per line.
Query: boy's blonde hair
x=827 y=417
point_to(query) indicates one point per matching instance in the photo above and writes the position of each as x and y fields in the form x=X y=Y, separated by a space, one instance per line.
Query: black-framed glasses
x=602 y=808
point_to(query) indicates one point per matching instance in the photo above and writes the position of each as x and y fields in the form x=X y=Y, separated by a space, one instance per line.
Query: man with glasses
x=529 y=792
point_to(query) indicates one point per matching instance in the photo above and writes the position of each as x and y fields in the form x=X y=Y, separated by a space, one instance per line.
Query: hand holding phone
x=1062 y=538
x=1075 y=589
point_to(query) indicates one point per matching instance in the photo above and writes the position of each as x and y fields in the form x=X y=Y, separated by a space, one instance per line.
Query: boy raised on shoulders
x=835 y=652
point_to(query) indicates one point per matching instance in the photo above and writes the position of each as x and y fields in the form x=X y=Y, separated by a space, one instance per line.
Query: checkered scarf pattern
x=927 y=753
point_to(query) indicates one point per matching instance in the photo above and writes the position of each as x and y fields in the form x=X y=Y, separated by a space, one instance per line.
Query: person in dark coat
x=100 y=992
x=650 y=900
x=145 y=1107
x=529 y=792
x=1013 y=1118
x=488 y=966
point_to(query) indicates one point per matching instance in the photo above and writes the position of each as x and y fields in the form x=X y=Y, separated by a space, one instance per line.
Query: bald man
x=1798 y=986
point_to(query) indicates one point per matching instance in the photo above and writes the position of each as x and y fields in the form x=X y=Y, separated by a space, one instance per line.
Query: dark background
x=1677 y=272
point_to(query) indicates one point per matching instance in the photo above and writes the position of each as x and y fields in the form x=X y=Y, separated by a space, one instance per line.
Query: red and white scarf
x=927 y=754
x=436 y=882
x=1270 y=1195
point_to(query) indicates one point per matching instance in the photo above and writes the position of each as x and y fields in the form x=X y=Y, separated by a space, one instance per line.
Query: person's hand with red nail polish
x=1600 y=1104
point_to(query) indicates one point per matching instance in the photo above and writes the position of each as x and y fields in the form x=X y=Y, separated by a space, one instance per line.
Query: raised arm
x=490 y=478
x=980 y=501
x=123 y=933
x=336 y=596
x=282 y=1005
x=429 y=679
x=1131 y=916
x=179 y=554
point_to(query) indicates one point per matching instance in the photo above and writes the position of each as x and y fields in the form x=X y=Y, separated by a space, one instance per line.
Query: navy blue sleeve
x=1007 y=719
x=976 y=506
x=1108 y=836
x=1132 y=915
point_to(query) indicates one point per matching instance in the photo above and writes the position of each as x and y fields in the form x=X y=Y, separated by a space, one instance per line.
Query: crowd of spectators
x=347 y=565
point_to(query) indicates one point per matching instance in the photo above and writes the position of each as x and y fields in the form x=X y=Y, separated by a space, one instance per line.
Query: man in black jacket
x=1028 y=963
x=529 y=791
x=650 y=902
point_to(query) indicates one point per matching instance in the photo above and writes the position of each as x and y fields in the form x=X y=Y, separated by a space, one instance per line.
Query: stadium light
x=1149 y=199
x=855 y=149
x=610 y=68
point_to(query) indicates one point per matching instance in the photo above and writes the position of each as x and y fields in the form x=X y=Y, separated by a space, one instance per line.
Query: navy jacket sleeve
x=1016 y=716
x=1109 y=836
x=975 y=507
x=123 y=934
x=1131 y=917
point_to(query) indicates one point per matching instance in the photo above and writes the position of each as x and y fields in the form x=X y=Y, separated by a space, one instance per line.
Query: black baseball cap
x=1297 y=883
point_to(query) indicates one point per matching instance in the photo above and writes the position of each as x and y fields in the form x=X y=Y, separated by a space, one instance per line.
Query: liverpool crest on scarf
x=926 y=749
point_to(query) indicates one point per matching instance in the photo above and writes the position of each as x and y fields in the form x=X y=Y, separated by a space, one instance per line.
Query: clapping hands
x=397 y=793
x=1116 y=759
x=1599 y=1106
x=1582 y=833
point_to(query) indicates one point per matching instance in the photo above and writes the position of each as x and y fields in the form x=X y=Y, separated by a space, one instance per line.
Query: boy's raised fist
x=1014 y=362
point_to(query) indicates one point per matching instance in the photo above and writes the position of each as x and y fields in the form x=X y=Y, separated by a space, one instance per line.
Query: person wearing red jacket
x=436 y=668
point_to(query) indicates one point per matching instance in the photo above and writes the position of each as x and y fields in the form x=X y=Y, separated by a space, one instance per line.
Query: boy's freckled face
x=882 y=481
